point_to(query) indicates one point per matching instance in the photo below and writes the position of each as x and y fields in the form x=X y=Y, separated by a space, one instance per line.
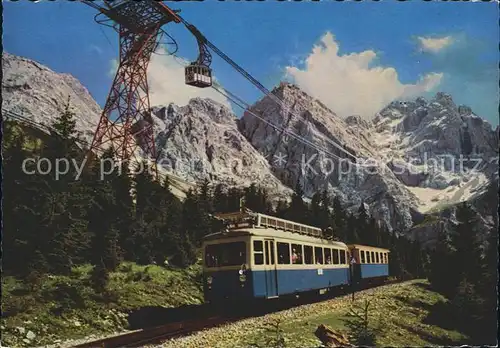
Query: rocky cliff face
x=33 y=90
x=311 y=155
x=435 y=144
x=201 y=141
x=196 y=142
x=414 y=157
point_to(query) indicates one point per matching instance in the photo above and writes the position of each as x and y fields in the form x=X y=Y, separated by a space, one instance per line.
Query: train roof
x=367 y=247
x=273 y=233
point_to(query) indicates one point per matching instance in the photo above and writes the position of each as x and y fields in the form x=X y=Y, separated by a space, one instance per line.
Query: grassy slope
x=407 y=315
x=64 y=307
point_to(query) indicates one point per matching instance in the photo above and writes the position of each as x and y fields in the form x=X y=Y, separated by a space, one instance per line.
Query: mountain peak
x=299 y=140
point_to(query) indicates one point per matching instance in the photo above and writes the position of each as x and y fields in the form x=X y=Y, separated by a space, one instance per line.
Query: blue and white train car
x=263 y=257
x=371 y=263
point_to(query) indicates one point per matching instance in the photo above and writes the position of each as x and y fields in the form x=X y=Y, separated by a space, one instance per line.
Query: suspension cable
x=254 y=81
x=230 y=95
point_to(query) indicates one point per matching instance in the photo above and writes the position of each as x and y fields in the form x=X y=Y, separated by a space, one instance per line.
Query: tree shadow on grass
x=436 y=340
x=21 y=292
x=425 y=286
x=439 y=314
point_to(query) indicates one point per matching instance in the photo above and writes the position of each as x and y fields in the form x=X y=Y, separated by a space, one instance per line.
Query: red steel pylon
x=126 y=119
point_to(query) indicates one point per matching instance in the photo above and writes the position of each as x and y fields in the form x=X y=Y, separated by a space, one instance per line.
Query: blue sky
x=367 y=53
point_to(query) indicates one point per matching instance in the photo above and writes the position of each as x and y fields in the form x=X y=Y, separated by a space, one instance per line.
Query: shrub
x=360 y=331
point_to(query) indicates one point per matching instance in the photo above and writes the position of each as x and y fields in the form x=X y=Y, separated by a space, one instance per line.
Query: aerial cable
x=106 y=37
x=166 y=44
x=232 y=96
x=256 y=82
x=278 y=128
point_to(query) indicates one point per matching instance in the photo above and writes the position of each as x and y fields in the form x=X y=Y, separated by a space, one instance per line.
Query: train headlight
x=209 y=280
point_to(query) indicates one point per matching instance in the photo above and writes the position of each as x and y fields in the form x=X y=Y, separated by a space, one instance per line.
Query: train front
x=226 y=275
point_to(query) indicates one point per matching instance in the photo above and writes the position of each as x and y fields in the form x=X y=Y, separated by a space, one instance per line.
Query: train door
x=270 y=266
x=355 y=265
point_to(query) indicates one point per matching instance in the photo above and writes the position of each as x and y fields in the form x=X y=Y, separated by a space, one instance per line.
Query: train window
x=258 y=258
x=271 y=251
x=342 y=257
x=308 y=254
x=283 y=253
x=297 y=254
x=373 y=257
x=362 y=252
x=386 y=258
x=377 y=260
x=336 y=259
x=258 y=252
x=266 y=252
x=328 y=256
x=319 y=255
x=226 y=254
x=368 y=259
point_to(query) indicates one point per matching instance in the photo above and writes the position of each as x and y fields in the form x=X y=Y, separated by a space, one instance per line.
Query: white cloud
x=94 y=48
x=166 y=82
x=349 y=85
x=113 y=67
x=434 y=45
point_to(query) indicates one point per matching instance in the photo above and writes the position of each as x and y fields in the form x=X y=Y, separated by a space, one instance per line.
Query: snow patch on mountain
x=413 y=157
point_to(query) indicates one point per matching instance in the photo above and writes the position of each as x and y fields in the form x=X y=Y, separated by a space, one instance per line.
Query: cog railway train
x=258 y=256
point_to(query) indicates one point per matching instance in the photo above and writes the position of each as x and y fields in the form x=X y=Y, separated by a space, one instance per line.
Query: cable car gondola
x=198 y=75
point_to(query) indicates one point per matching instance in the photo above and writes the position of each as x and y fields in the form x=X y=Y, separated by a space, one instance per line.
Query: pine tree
x=395 y=268
x=65 y=124
x=415 y=266
x=467 y=256
x=466 y=308
x=195 y=220
x=17 y=225
x=121 y=184
x=442 y=264
x=99 y=277
x=146 y=194
x=104 y=215
x=373 y=234
x=63 y=143
x=316 y=213
x=298 y=210
x=171 y=245
x=64 y=222
x=362 y=225
x=251 y=197
x=205 y=197
x=265 y=205
x=339 y=220
x=488 y=289
x=352 y=236
x=281 y=208
x=220 y=199
x=358 y=323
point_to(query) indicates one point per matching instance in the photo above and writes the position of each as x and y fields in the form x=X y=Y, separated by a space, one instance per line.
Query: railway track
x=183 y=328
x=156 y=334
